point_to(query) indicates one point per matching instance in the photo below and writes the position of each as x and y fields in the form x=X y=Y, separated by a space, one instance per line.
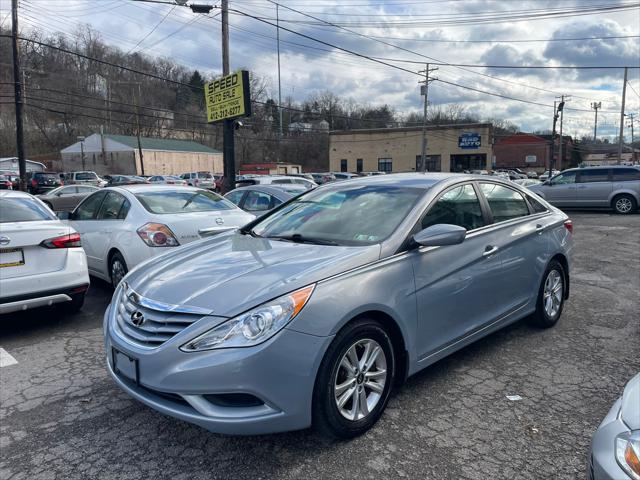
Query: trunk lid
x=23 y=254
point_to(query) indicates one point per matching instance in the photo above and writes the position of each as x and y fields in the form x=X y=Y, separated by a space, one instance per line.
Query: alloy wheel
x=117 y=272
x=360 y=379
x=553 y=291
x=623 y=205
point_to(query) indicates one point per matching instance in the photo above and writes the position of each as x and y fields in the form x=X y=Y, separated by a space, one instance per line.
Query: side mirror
x=440 y=235
x=64 y=215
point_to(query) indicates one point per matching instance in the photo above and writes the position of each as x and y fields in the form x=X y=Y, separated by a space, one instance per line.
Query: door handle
x=490 y=250
x=539 y=229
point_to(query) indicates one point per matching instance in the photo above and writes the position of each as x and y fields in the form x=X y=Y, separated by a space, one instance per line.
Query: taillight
x=568 y=224
x=34 y=182
x=157 y=235
x=64 y=241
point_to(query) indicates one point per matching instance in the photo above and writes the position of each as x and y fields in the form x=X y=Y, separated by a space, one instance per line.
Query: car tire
x=624 y=204
x=117 y=268
x=76 y=303
x=551 y=296
x=336 y=381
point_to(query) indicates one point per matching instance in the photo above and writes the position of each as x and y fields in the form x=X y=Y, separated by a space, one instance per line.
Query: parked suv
x=42 y=182
x=84 y=178
x=616 y=187
x=200 y=179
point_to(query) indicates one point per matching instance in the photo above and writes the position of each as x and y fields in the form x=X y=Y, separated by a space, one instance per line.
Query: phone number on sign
x=221 y=113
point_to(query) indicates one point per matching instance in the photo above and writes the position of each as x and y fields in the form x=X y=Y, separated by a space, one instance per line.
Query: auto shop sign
x=228 y=97
x=469 y=140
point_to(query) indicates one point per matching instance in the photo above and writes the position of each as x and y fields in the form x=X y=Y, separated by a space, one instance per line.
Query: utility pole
x=595 y=106
x=556 y=113
x=228 y=139
x=17 y=84
x=424 y=90
x=138 y=125
x=279 y=83
x=621 y=136
x=561 y=110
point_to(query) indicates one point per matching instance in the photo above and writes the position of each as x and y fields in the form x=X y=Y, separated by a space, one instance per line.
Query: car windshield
x=204 y=175
x=357 y=215
x=184 y=201
x=23 y=210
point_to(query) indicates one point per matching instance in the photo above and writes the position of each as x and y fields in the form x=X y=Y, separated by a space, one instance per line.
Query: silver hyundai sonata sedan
x=313 y=313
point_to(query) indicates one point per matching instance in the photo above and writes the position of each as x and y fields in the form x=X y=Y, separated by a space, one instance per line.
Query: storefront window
x=385 y=165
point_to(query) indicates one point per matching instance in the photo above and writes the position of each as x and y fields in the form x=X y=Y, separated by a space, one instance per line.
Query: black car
x=42 y=182
x=116 y=180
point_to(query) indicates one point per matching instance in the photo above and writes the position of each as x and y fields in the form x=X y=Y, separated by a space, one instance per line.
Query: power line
x=152 y=30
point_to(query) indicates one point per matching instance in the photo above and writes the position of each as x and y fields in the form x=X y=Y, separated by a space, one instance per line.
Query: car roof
x=277 y=191
x=150 y=187
x=411 y=179
x=14 y=194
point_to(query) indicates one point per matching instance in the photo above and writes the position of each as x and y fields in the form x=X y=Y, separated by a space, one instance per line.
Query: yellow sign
x=228 y=97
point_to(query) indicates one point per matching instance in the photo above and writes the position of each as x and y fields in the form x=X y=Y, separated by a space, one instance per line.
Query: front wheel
x=354 y=380
x=550 y=297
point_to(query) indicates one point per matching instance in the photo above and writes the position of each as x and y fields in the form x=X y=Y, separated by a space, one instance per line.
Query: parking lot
x=61 y=416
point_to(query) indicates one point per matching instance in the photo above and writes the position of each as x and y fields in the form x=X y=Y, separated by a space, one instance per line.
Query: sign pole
x=228 y=139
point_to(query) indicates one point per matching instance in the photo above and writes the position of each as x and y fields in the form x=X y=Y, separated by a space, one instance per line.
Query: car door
x=593 y=187
x=83 y=220
x=561 y=190
x=67 y=198
x=108 y=225
x=456 y=290
x=520 y=242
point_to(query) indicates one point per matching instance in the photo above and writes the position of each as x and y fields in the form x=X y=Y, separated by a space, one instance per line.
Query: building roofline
x=457 y=126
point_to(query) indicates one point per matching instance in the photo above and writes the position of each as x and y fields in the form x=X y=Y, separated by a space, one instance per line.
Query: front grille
x=158 y=325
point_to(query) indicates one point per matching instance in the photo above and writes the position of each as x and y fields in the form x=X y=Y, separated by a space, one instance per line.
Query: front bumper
x=602 y=461
x=280 y=373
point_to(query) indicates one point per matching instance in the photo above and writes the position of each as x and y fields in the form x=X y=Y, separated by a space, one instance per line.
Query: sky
x=470 y=32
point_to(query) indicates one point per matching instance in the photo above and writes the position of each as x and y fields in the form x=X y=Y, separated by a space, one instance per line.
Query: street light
x=199 y=8
x=81 y=140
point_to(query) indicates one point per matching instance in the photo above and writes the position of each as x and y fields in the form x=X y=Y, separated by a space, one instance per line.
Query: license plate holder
x=125 y=365
x=11 y=257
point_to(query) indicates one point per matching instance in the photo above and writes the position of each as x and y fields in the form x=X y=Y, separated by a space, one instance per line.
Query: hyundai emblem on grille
x=137 y=318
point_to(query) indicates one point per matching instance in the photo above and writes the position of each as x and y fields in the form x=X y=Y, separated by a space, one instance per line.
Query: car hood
x=231 y=272
x=629 y=410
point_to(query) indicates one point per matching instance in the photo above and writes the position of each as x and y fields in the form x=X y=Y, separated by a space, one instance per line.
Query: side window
x=564 y=178
x=82 y=189
x=536 y=205
x=504 y=203
x=282 y=180
x=625 y=174
x=69 y=191
x=88 y=208
x=124 y=210
x=594 y=175
x=458 y=206
x=257 y=202
x=275 y=202
x=235 y=197
x=111 y=206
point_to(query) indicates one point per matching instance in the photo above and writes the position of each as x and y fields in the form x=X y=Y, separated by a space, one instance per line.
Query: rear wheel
x=354 y=380
x=624 y=204
x=117 y=269
x=550 y=297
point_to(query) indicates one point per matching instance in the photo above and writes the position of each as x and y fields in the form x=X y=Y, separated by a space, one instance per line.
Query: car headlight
x=255 y=326
x=628 y=453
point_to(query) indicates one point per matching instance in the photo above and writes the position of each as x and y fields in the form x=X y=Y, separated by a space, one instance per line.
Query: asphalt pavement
x=61 y=416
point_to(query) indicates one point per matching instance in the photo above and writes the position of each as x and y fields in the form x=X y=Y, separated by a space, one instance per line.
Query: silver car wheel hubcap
x=117 y=272
x=360 y=379
x=623 y=205
x=552 y=295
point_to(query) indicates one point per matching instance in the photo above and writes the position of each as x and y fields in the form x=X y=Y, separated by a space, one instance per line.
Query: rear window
x=86 y=176
x=204 y=175
x=162 y=202
x=23 y=210
x=53 y=176
x=625 y=174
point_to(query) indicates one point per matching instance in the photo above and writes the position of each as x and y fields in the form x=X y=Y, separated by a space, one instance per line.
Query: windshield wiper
x=298 y=238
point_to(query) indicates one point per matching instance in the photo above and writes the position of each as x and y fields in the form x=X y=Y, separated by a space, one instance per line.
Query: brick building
x=522 y=150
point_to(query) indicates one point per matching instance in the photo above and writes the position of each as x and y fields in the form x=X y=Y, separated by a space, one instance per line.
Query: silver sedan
x=314 y=312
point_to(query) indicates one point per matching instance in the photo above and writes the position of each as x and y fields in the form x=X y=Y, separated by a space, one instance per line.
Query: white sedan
x=124 y=226
x=41 y=259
